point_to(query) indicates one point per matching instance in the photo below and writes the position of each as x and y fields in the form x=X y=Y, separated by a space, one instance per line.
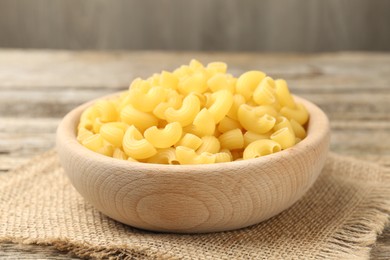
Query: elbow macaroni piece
x=261 y=148
x=185 y=155
x=195 y=114
x=209 y=144
x=232 y=139
x=136 y=146
x=164 y=138
x=186 y=113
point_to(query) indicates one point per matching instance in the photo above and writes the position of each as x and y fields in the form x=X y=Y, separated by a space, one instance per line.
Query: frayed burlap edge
x=354 y=239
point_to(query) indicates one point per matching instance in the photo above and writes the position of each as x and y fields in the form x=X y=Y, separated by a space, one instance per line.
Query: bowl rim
x=317 y=129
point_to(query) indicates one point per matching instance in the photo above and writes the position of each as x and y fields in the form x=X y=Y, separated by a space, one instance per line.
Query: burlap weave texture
x=339 y=218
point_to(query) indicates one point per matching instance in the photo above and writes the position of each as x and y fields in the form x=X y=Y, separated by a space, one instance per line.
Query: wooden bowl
x=194 y=198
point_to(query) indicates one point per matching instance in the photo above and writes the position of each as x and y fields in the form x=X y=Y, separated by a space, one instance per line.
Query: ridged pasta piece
x=223 y=157
x=168 y=80
x=140 y=84
x=89 y=114
x=94 y=142
x=83 y=134
x=154 y=80
x=186 y=113
x=217 y=67
x=190 y=140
x=285 y=137
x=261 y=148
x=283 y=94
x=166 y=137
x=112 y=133
x=107 y=111
x=164 y=156
x=228 y=124
x=299 y=114
x=174 y=100
x=221 y=81
x=252 y=122
x=282 y=122
x=222 y=102
x=209 y=144
x=119 y=154
x=185 y=155
x=264 y=93
x=86 y=124
x=247 y=82
x=232 y=139
x=250 y=137
x=182 y=71
x=265 y=109
x=106 y=150
x=96 y=125
x=196 y=65
x=136 y=146
x=193 y=83
x=238 y=100
x=204 y=123
x=146 y=101
x=139 y=119
x=299 y=130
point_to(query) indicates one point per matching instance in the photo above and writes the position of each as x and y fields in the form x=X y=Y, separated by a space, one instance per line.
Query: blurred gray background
x=224 y=25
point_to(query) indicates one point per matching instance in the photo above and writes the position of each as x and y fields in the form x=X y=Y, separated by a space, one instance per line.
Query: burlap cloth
x=339 y=218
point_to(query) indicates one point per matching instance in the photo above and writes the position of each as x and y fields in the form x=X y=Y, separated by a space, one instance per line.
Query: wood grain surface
x=37 y=88
x=231 y=25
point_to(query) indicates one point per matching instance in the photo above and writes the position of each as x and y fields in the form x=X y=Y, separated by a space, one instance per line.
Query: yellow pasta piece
x=282 y=122
x=283 y=94
x=223 y=157
x=217 y=67
x=185 y=155
x=228 y=124
x=168 y=80
x=83 y=134
x=232 y=139
x=94 y=142
x=299 y=114
x=204 y=123
x=139 y=119
x=107 y=111
x=238 y=100
x=221 y=81
x=106 y=150
x=193 y=83
x=262 y=110
x=196 y=65
x=89 y=114
x=119 y=154
x=222 y=102
x=264 y=94
x=299 y=131
x=191 y=141
x=96 y=125
x=247 y=82
x=164 y=156
x=261 y=148
x=285 y=137
x=112 y=133
x=174 y=100
x=209 y=144
x=146 y=101
x=136 y=146
x=166 y=137
x=186 y=113
x=252 y=122
x=250 y=137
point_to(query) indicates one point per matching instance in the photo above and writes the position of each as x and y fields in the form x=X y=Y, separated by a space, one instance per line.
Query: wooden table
x=37 y=88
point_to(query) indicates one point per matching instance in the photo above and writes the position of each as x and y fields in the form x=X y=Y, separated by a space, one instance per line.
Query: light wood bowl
x=194 y=198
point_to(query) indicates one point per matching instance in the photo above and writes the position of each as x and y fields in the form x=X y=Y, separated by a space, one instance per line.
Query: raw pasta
x=195 y=115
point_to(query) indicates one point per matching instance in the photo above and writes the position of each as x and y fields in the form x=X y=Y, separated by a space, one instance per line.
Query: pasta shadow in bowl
x=194 y=198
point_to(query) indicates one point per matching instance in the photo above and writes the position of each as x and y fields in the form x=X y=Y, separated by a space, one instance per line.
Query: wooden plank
x=196 y=25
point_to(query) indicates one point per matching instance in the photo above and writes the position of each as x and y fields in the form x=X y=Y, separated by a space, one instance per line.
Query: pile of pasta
x=195 y=115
